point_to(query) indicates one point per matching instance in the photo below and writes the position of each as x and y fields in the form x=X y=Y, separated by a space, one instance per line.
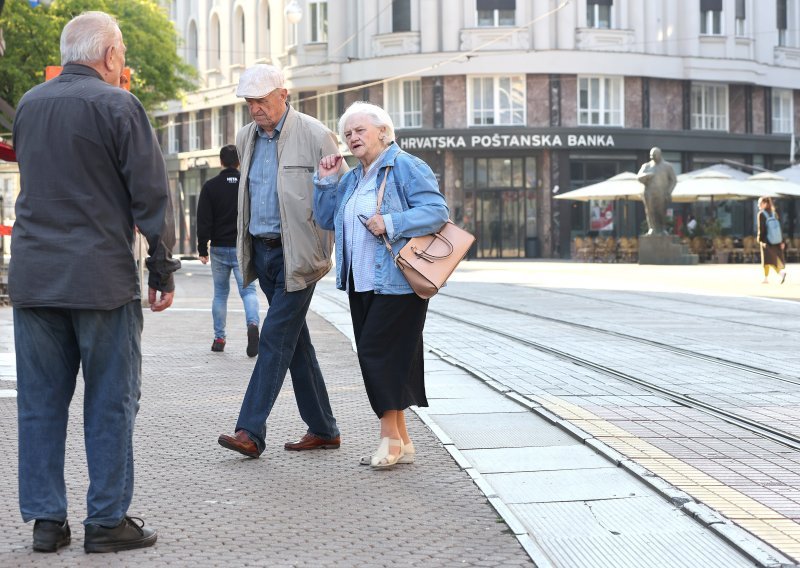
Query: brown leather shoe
x=241 y=443
x=312 y=442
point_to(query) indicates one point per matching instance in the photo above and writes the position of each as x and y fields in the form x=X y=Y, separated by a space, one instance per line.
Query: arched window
x=237 y=57
x=214 y=48
x=191 y=47
x=263 y=30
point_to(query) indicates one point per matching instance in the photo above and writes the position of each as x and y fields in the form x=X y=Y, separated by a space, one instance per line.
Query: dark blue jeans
x=51 y=344
x=285 y=343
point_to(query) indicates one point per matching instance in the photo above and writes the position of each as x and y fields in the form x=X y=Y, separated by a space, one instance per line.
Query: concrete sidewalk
x=215 y=508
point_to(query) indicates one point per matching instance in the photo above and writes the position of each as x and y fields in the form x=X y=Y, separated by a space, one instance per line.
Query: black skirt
x=388 y=332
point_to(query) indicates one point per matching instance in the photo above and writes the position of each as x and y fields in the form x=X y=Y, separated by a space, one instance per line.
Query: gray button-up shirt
x=90 y=171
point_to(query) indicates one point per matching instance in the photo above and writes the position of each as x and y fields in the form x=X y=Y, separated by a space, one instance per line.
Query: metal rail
x=775 y=434
x=664 y=346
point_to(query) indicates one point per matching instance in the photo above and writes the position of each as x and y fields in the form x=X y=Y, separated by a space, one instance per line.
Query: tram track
x=681 y=313
x=650 y=342
x=764 y=430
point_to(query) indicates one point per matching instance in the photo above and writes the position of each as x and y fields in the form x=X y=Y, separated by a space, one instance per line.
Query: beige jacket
x=306 y=248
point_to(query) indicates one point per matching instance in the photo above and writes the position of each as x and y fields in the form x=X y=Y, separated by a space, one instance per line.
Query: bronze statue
x=659 y=180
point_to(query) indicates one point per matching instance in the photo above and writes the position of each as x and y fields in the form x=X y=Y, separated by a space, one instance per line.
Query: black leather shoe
x=49 y=536
x=127 y=535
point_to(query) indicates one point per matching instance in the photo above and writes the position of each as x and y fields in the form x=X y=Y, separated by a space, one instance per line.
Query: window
x=215 y=49
x=493 y=13
x=709 y=107
x=598 y=13
x=327 y=110
x=194 y=132
x=741 y=18
x=217 y=127
x=782 y=111
x=263 y=30
x=404 y=102
x=242 y=116
x=401 y=16
x=173 y=140
x=600 y=101
x=191 y=53
x=496 y=100
x=318 y=12
x=711 y=17
x=237 y=57
x=782 y=9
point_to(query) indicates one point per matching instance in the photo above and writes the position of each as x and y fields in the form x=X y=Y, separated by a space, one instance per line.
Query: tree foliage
x=32 y=37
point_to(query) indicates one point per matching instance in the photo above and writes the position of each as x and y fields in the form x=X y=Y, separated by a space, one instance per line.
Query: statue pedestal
x=664 y=249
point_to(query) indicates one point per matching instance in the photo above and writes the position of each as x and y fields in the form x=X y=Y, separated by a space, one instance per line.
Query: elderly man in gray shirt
x=91 y=169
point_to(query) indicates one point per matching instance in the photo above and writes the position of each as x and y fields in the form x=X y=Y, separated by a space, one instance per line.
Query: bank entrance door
x=500 y=222
x=500 y=205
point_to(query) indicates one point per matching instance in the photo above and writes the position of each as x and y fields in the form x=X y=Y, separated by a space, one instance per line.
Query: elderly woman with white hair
x=388 y=318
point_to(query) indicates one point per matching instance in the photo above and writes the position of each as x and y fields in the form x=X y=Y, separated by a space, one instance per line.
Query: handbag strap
x=381 y=191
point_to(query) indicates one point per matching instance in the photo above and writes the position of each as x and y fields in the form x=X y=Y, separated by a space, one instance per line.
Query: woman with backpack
x=771 y=240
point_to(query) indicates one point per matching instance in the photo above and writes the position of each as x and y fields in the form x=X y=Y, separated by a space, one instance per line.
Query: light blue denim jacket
x=412 y=207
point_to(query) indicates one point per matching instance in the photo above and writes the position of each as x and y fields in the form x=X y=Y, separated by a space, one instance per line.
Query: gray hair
x=377 y=116
x=86 y=38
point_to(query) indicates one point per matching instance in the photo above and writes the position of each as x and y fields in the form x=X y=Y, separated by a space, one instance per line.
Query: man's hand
x=329 y=165
x=163 y=303
x=204 y=259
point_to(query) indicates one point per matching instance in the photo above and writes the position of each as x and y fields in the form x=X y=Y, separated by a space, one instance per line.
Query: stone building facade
x=511 y=102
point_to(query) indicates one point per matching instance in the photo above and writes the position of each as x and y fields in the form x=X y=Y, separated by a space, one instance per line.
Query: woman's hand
x=329 y=165
x=375 y=225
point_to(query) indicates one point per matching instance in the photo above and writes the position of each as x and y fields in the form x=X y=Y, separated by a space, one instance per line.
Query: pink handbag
x=427 y=262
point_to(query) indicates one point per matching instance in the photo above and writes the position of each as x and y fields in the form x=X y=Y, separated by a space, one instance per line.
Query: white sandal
x=382 y=457
x=409 y=453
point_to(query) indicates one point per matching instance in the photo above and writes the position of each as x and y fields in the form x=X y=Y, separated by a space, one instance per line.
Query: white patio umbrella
x=716 y=168
x=773 y=185
x=792 y=173
x=624 y=185
x=713 y=185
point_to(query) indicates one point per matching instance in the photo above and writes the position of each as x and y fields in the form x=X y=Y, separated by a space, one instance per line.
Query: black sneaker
x=252 y=340
x=127 y=535
x=218 y=346
x=49 y=536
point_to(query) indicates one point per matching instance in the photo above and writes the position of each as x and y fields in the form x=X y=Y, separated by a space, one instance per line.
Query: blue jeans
x=285 y=343
x=223 y=261
x=51 y=344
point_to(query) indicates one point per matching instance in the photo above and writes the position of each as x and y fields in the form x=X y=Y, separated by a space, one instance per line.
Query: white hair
x=86 y=38
x=377 y=116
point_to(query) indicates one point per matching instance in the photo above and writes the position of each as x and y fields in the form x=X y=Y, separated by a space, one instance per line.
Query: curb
x=749 y=545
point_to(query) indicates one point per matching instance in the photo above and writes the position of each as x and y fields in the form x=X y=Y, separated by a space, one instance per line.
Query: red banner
x=7 y=153
x=5 y=230
x=602 y=219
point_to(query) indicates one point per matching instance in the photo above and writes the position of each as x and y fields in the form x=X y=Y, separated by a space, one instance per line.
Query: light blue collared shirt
x=265 y=213
x=359 y=243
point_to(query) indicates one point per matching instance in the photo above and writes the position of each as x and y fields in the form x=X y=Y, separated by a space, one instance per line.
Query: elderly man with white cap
x=281 y=245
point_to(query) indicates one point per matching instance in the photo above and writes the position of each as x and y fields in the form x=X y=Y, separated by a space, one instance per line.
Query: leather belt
x=271 y=243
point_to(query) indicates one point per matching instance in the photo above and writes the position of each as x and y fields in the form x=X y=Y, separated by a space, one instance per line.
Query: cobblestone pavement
x=214 y=508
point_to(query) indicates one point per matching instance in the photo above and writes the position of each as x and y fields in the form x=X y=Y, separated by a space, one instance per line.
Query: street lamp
x=293 y=12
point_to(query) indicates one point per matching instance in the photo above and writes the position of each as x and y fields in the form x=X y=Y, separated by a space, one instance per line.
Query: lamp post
x=293 y=12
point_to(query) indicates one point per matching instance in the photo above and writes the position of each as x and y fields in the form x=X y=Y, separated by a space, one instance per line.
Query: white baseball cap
x=258 y=81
